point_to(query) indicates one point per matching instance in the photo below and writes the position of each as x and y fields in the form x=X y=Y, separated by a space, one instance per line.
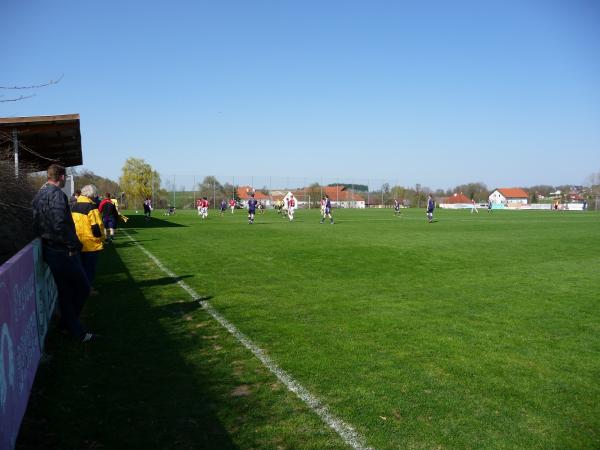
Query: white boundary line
x=345 y=431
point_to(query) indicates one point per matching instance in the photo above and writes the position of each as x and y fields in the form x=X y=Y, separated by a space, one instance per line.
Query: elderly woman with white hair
x=89 y=229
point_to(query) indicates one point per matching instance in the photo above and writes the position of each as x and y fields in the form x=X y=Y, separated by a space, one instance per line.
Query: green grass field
x=475 y=331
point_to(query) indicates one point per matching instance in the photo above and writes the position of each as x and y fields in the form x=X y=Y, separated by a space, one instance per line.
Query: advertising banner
x=19 y=342
x=46 y=293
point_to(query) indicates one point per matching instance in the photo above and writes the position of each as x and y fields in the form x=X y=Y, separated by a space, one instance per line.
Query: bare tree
x=592 y=191
x=16 y=98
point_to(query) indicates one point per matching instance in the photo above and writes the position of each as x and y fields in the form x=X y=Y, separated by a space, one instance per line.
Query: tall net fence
x=16 y=226
x=183 y=191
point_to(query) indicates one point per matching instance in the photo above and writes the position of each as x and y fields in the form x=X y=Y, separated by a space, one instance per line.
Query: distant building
x=455 y=201
x=243 y=193
x=341 y=197
x=509 y=197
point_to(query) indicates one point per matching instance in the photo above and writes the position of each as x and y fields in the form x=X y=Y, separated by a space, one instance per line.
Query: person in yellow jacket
x=89 y=229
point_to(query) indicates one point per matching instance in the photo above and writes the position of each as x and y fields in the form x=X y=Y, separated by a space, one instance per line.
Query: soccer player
x=474 y=206
x=430 y=207
x=204 y=210
x=199 y=206
x=291 y=207
x=396 y=207
x=489 y=206
x=232 y=204
x=147 y=208
x=223 y=206
x=251 y=208
x=326 y=210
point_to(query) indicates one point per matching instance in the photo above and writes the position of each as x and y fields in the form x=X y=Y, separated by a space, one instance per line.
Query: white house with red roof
x=509 y=197
x=455 y=201
x=342 y=197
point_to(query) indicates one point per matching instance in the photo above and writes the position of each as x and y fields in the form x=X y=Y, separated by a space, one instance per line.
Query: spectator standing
x=110 y=217
x=52 y=221
x=89 y=229
x=73 y=198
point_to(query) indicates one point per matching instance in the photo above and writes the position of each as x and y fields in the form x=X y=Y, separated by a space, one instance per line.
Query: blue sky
x=432 y=92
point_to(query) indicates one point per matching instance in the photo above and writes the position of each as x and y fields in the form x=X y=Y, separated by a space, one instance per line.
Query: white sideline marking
x=345 y=431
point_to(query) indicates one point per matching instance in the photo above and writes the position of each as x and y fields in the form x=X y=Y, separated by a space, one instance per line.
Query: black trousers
x=73 y=287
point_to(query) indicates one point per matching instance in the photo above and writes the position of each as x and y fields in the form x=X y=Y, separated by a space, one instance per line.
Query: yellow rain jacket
x=88 y=224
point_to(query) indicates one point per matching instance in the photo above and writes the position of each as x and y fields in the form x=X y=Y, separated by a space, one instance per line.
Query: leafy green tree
x=230 y=191
x=313 y=191
x=138 y=181
x=353 y=187
x=539 y=190
x=211 y=189
x=477 y=191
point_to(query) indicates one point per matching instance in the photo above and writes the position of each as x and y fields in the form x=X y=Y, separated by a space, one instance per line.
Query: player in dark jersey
x=327 y=210
x=430 y=208
x=396 y=207
x=252 y=202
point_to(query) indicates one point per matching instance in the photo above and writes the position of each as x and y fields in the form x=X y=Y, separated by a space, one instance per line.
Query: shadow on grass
x=181 y=308
x=154 y=222
x=132 y=389
x=122 y=241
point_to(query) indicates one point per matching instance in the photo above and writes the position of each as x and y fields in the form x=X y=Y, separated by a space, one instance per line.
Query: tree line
x=139 y=181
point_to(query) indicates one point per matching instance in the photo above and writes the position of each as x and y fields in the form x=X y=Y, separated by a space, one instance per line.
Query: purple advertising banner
x=19 y=342
x=46 y=294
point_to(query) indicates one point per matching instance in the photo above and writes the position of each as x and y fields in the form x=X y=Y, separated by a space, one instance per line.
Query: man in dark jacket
x=52 y=221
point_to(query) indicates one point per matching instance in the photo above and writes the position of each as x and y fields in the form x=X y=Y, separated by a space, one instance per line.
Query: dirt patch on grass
x=242 y=390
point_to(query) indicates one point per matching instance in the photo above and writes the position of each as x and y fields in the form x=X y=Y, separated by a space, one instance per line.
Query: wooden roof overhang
x=42 y=140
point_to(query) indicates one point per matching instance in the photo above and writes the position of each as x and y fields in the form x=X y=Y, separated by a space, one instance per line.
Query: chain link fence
x=182 y=191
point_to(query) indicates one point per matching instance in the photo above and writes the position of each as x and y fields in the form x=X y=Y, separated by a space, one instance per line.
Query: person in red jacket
x=110 y=217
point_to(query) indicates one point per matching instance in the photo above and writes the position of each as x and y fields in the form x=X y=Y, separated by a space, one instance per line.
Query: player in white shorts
x=204 y=208
x=291 y=207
